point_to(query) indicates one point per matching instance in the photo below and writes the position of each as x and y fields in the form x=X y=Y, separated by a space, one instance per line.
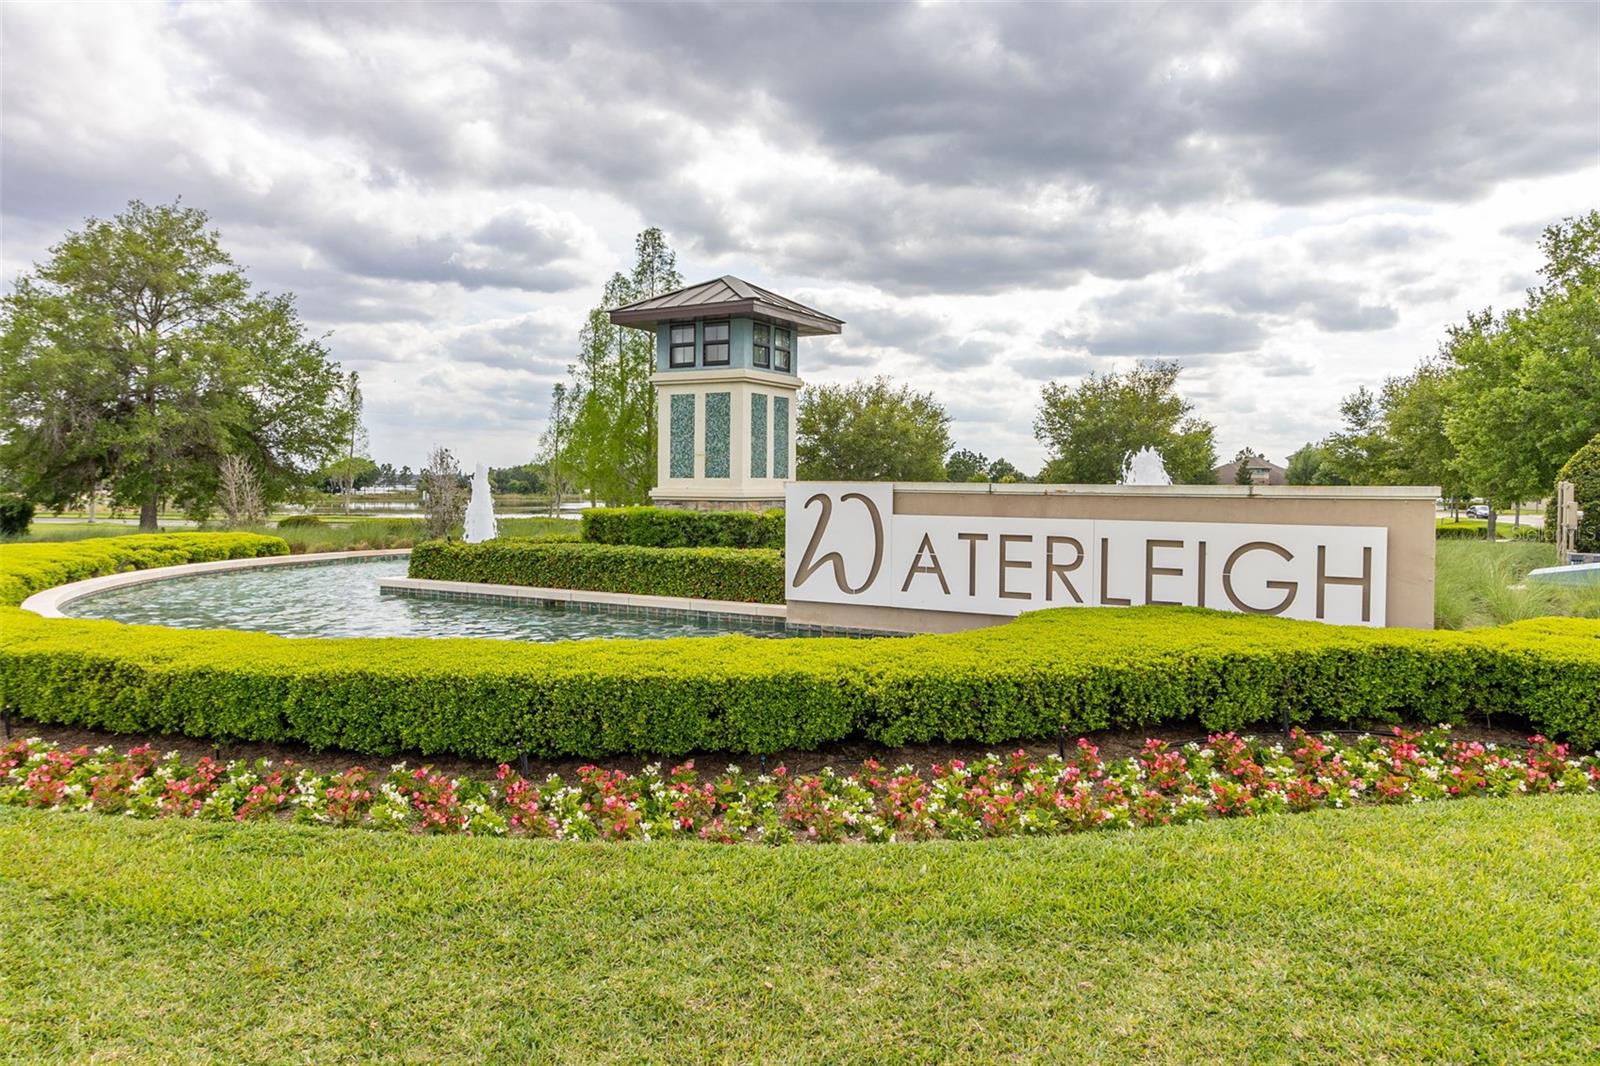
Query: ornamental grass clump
x=1226 y=776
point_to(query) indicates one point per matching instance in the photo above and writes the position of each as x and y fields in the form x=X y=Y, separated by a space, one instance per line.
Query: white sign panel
x=845 y=544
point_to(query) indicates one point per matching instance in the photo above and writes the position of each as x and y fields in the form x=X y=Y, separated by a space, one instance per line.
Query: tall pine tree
x=611 y=450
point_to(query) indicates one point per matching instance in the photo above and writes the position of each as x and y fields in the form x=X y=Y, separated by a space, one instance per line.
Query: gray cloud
x=528 y=343
x=1153 y=328
x=930 y=240
x=963 y=117
x=1368 y=238
x=491 y=256
x=1259 y=285
x=1176 y=104
x=833 y=353
x=928 y=336
x=435 y=183
x=1048 y=367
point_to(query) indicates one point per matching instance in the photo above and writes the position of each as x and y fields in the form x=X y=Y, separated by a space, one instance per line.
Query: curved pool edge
x=677 y=606
x=48 y=603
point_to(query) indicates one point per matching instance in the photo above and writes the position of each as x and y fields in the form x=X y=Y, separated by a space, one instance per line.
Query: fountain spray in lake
x=1144 y=467
x=481 y=525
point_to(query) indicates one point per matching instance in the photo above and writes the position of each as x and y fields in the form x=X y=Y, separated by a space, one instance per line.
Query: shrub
x=1466 y=529
x=239 y=492
x=16 y=515
x=666 y=527
x=1473 y=529
x=28 y=568
x=1077 y=669
x=299 y=521
x=748 y=576
x=444 y=493
x=1583 y=470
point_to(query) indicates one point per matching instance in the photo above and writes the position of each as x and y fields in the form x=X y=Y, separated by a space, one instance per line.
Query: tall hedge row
x=752 y=575
x=1076 y=668
x=665 y=527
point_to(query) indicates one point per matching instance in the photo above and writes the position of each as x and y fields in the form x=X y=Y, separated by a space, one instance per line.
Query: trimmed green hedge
x=29 y=568
x=1474 y=529
x=750 y=575
x=666 y=527
x=1076 y=668
x=1583 y=470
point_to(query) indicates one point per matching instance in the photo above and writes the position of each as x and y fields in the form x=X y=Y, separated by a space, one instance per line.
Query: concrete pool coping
x=49 y=602
x=483 y=592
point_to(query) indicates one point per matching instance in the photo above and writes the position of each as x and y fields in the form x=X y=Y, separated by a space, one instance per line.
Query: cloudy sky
x=1290 y=200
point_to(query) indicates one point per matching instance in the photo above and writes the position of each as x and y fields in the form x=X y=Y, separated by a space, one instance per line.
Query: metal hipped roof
x=727 y=295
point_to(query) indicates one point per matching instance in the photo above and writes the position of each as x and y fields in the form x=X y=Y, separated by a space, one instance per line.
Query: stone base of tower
x=677 y=502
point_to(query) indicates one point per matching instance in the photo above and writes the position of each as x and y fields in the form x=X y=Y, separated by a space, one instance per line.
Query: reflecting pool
x=341 y=599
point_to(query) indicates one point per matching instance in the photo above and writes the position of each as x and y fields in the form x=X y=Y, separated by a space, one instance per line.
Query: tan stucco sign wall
x=933 y=557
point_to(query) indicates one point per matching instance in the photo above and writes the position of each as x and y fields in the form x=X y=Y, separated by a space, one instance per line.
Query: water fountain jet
x=481 y=524
x=1145 y=467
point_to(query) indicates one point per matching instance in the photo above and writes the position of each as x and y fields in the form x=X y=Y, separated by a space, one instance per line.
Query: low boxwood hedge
x=665 y=527
x=1475 y=529
x=29 y=568
x=749 y=575
x=1078 y=668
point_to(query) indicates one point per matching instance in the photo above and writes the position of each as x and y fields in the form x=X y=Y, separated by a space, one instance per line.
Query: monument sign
x=849 y=545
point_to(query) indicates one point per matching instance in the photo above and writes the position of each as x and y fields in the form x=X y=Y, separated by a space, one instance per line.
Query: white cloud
x=1292 y=201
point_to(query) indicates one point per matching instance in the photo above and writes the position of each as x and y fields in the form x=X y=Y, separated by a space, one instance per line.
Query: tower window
x=681 y=352
x=761 y=344
x=781 y=347
x=714 y=352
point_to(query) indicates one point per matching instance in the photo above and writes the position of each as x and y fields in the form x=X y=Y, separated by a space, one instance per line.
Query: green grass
x=51 y=532
x=1453 y=932
x=1481 y=584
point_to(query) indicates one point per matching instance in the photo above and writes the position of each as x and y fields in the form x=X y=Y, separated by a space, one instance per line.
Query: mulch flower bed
x=1020 y=795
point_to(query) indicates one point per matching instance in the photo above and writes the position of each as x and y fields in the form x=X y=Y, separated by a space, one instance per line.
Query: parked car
x=1478 y=510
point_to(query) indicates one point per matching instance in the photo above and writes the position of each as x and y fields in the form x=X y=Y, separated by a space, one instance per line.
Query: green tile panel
x=719 y=435
x=780 y=436
x=758 y=434
x=680 y=446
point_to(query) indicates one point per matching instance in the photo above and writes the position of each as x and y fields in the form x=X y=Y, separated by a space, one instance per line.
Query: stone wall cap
x=1276 y=492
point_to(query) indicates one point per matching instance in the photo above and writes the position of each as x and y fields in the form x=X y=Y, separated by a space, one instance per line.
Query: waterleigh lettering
x=846 y=540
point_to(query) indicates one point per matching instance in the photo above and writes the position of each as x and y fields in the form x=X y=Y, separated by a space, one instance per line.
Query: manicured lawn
x=1449 y=932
